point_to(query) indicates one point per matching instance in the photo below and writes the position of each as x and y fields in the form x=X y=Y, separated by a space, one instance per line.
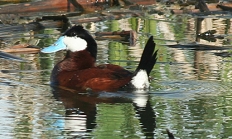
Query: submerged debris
x=170 y=135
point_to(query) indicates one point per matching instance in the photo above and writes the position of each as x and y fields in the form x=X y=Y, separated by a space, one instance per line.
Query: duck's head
x=74 y=40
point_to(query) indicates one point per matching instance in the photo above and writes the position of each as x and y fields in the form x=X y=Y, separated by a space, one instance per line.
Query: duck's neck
x=76 y=61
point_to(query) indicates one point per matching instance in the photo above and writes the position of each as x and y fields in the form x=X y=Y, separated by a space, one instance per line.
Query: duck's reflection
x=147 y=119
x=82 y=110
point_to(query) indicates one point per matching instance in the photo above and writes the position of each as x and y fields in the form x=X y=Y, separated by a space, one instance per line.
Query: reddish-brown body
x=78 y=71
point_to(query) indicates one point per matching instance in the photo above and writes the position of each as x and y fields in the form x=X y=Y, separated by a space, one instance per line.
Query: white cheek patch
x=75 y=44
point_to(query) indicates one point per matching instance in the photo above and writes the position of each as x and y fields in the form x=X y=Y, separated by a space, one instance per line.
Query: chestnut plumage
x=79 y=71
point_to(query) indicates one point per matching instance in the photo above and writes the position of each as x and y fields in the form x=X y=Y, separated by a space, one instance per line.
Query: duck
x=79 y=71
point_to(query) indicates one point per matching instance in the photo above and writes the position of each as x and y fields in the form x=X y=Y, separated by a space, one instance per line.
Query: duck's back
x=106 y=77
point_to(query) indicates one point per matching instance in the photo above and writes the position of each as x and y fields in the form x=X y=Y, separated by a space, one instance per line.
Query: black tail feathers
x=149 y=57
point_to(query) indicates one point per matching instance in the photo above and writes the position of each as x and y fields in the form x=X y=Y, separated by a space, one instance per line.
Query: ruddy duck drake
x=79 y=71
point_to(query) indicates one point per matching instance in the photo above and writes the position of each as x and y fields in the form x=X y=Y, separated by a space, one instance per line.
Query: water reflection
x=190 y=89
x=107 y=114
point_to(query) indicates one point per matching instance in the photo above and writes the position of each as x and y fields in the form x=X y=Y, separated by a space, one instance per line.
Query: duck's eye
x=73 y=34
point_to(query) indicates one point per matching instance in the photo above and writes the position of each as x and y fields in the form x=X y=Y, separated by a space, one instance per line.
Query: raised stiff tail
x=146 y=64
x=148 y=58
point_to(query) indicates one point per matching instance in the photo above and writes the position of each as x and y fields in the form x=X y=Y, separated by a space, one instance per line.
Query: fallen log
x=201 y=47
x=225 y=6
x=185 y=11
x=211 y=7
x=78 y=20
x=128 y=36
x=19 y=46
x=113 y=15
x=39 y=6
x=120 y=33
x=22 y=50
x=15 y=0
x=68 y=5
x=11 y=57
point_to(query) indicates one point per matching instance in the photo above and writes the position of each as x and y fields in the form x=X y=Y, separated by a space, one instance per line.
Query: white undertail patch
x=140 y=80
x=75 y=44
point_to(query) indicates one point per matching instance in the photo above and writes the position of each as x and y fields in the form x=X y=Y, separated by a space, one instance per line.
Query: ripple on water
x=193 y=109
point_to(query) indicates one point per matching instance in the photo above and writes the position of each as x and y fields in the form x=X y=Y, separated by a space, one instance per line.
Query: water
x=190 y=90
